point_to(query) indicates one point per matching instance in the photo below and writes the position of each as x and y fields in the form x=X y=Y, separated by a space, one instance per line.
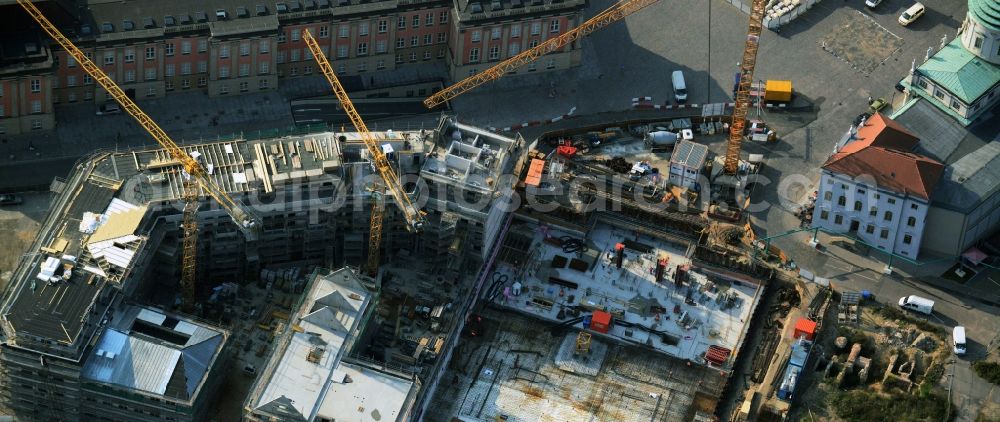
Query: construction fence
x=779 y=12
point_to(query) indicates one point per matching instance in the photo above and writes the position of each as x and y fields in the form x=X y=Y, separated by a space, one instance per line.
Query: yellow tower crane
x=194 y=173
x=414 y=217
x=610 y=15
x=737 y=126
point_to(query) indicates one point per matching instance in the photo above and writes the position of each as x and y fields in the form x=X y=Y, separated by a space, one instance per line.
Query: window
x=939 y=94
x=281 y=38
x=495 y=33
x=71 y=80
x=223 y=71
x=428 y=39
x=265 y=46
x=150 y=74
x=36 y=124
x=168 y=85
x=185 y=68
x=151 y=92
x=427 y=55
x=202 y=81
x=443 y=17
x=838 y=219
x=293 y=55
x=307 y=69
x=429 y=19
x=922 y=83
x=911 y=221
x=383 y=26
x=129 y=55
x=401 y=22
x=416 y=21
x=186 y=47
x=168 y=49
x=857 y=205
x=168 y=70
x=380 y=46
x=824 y=214
x=87 y=80
x=515 y=31
x=280 y=57
x=244 y=70
x=494 y=52
x=363 y=29
x=892 y=201
x=293 y=71
x=955 y=104
x=870 y=229
x=362 y=67
x=130 y=75
x=477 y=36
x=262 y=84
x=442 y=37
x=109 y=58
x=324 y=31
x=978 y=43
x=341 y=51
x=202 y=46
x=70 y=61
x=36 y=107
x=202 y=66
x=914 y=207
x=533 y=44
x=399 y=57
x=884 y=234
x=307 y=54
x=244 y=49
x=296 y=34
x=362 y=48
x=341 y=69
x=474 y=55
x=440 y=53
x=907 y=239
x=536 y=28
x=551 y=64
x=244 y=86
x=88 y=95
x=514 y=49
x=223 y=89
x=472 y=72
x=554 y=25
x=841 y=201
x=400 y=42
x=887 y=216
x=223 y=51
x=150 y=53
x=413 y=57
x=380 y=65
x=873 y=211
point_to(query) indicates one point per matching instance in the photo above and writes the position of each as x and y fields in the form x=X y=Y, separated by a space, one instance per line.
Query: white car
x=911 y=14
x=872 y=3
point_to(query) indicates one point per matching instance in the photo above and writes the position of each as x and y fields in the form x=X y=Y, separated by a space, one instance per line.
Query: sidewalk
x=833 y=260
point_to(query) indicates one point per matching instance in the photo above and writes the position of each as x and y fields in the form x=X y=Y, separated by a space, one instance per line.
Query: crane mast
x=414 y=217
x=195 y=175
x=616 y=12
x=742 y=107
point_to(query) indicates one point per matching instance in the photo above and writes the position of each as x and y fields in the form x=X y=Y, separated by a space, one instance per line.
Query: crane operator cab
x=680 y=88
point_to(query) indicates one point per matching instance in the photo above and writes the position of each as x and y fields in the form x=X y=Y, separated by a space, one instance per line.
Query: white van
x=680 y=88
x=917 y=304
x=958 y=340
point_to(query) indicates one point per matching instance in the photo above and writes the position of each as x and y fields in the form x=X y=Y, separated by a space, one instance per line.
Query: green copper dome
x=986 y=12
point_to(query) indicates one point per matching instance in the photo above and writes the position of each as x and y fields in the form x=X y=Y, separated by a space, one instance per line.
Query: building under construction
x=652 y=288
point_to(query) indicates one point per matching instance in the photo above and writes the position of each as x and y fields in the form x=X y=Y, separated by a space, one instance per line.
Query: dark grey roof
x=477 y=10
x=970 y=180
x=941 y=137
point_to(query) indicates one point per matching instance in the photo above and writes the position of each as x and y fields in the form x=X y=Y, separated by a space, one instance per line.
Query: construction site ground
x=19 y=224
x=509 y=372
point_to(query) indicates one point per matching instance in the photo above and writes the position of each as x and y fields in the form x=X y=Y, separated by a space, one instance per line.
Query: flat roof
x=697 y=315
x=469 y=156
x=304 y=363
x=360 y=393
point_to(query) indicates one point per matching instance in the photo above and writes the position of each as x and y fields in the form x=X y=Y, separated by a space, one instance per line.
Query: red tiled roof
x=881 y=151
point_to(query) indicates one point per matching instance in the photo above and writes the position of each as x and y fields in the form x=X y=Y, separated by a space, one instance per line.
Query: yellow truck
x=772 y=91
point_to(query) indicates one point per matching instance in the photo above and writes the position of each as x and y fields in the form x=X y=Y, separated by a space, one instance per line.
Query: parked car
x=958 y=340
x=877 y=105
x=917 y=304
x=872 y=3
x=911 y=14
x=8 y=199
x=108 y=108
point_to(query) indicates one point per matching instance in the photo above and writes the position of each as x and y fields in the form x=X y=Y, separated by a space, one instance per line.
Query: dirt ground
x=862 y=43
x=19 y=224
